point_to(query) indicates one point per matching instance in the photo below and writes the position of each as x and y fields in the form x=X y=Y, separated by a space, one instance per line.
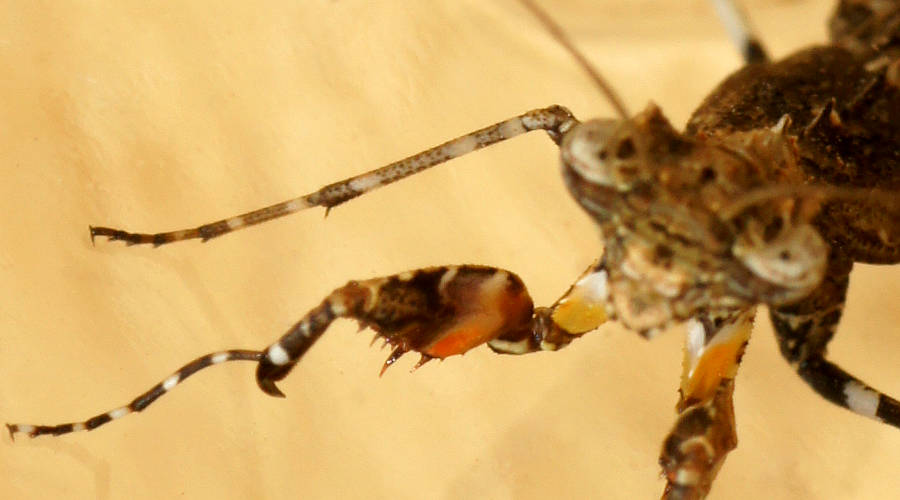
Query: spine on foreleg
x=437 y=312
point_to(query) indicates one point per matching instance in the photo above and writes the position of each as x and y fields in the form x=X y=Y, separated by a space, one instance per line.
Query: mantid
x=767 y=197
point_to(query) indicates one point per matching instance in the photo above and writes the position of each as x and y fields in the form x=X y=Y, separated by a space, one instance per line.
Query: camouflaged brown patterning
x=844 y=106
x=781 y=181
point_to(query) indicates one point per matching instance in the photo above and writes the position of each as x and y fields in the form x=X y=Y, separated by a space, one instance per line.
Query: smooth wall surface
x=152 y=116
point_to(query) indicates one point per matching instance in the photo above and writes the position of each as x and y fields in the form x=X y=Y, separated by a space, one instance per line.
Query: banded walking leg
x=804 y=330
x=437 y=312
x=738 y=27
x=704 y=433
x=555 y=120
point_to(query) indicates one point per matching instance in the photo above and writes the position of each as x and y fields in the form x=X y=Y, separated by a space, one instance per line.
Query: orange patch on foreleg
x=582 y=308
x=487 y=307
x=708 y=361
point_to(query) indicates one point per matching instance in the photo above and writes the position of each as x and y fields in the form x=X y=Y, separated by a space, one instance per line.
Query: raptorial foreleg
x=704 y=433
x=443 y=311
x=437 y=312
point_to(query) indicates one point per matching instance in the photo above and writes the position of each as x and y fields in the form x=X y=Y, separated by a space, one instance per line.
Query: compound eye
x=796 y=259
x=594 y=151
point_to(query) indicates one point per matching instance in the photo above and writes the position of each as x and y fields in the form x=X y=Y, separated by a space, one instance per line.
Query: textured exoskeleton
x=779 y=183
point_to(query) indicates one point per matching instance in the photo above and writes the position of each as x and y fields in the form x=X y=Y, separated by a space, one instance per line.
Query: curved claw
x=267 y=373
x=119 y=235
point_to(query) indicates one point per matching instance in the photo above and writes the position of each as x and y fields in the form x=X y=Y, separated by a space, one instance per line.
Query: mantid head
x=687 y=222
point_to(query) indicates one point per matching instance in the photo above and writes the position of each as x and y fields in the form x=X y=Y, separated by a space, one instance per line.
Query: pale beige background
x=154 y=116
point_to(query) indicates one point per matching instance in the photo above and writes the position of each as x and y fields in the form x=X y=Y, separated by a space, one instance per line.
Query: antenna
x=557 y=33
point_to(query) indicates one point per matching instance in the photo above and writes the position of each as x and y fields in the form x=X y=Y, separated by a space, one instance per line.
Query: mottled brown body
x=757 y=202
x=845 y=118
x=679 y=245
x=839 y=108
